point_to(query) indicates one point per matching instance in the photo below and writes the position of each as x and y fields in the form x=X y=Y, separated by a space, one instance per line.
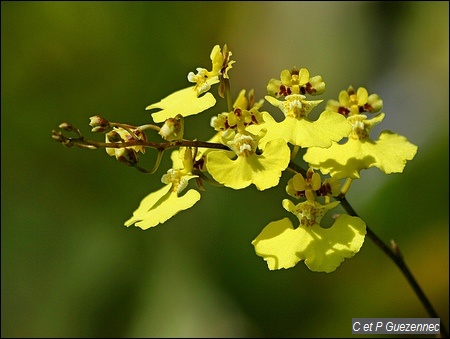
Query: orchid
x=345 y=160
x=249 y=146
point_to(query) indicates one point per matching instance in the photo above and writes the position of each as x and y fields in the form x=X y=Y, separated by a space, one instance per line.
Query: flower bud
x=127 y=156
x=173 y=128
x=66 y=127
x=99 y=124
x=57 y=136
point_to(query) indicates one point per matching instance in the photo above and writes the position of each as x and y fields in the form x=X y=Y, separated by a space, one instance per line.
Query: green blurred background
x=69 y=266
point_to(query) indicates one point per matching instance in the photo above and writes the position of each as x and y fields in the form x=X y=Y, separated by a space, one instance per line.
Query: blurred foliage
x=69 y=266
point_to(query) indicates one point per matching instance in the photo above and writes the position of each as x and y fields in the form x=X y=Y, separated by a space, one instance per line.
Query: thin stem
x=202 y=176
x=346 y=186
x=397 y=258
x=149 y=126
x=228 y=94
x=296 y=168
x=126 y=127
x=294 y=152
x=85 y=143
x=155 y=167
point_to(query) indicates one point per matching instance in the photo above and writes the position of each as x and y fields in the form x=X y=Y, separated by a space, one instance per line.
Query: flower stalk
x=250 y=147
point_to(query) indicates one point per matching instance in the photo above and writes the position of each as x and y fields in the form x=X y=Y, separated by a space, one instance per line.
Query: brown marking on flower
x=284 y=91
x=200 y=163
x=254 y=120
x=324 y=190
x=344 y=111
x=366 y=108
x=310 y=89
x=300 y=194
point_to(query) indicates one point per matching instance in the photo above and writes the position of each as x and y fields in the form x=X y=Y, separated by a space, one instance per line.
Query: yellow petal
x=264 y=171
x=147 y=203
x=302 y=132
x=331 y=246
x=340 y=161
x=389 y=154
x=278 y=244
x=159 y=206
x=362 y=96
x=393 y=151
x=184 y=102
x=323 y=250
x=298 y=182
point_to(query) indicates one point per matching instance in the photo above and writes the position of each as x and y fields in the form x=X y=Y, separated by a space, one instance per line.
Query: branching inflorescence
x=248 y=146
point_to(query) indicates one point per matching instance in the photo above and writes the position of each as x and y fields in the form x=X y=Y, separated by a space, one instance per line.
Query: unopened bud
x=66 y=126
x=99 y=124
x=57 y=136
x=173 y=128
x=127 y=156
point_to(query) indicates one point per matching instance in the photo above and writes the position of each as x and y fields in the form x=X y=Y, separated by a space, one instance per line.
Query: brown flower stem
x=228 y=94
x=85 y=143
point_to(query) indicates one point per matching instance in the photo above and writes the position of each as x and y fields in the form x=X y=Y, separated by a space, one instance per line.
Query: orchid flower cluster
x=248 y=146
